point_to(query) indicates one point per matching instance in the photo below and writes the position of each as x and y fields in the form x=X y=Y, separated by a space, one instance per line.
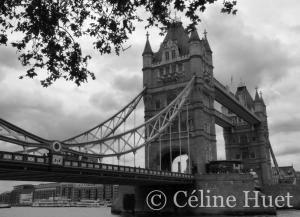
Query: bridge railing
x=58 y=160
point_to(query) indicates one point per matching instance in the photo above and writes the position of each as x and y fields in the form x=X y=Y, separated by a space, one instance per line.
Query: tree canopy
x=46 y=33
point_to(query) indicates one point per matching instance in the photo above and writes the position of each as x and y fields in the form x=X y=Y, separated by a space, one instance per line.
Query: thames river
x=84 y=212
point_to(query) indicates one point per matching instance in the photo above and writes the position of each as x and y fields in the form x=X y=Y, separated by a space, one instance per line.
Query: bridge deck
x=14 y=166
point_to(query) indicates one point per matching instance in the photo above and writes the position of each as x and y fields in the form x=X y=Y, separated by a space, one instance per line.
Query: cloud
x=254 y=60
x=2 y=74
x=9 y=57
x=130 y=84
x=289 y=151
x=44 y=115
x=295 y=28
x=105 y=101
x=286 y=126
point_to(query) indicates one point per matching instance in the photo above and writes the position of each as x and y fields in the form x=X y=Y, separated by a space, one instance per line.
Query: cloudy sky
x=258 y=46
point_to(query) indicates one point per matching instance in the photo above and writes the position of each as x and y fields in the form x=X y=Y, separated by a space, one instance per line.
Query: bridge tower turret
x=249 y=143
x=259 y=106
x=147 y=61
x=166 y=72
x=263 y=138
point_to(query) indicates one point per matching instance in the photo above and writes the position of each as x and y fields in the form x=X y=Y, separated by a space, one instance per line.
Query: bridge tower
x=249 y=143
x=165 y=73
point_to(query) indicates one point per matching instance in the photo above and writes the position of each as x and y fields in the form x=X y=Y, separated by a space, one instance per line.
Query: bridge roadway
x=24 y=167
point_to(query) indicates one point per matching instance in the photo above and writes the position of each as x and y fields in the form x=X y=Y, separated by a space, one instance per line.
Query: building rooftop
x=177 y=34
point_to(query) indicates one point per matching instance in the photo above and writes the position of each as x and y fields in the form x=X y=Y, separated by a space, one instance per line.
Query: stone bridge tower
x=250 y=144
x=165 y=73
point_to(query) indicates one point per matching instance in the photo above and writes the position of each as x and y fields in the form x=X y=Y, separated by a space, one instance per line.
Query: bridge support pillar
x=204 y=191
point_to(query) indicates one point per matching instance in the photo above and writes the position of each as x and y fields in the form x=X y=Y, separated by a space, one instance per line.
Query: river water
x=85 y=212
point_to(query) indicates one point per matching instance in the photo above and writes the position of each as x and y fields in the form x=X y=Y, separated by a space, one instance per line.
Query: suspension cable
x=188 y=136
x=171 y=146
x=179 y=137
x=134 y=137
x=148 y=156
x=160 y=152
x=124 y=157
x=148 y=147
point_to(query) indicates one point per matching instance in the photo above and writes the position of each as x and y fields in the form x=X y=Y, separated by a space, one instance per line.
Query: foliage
x=46 y=33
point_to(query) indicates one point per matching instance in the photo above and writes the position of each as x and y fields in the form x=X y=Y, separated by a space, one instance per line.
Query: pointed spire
x=205 y=34
x=256 y=95
x=147 y=49
x=194 y=35
x=206 y=44
x=261 y=98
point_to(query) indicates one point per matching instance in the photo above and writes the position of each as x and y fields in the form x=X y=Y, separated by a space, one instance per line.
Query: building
x=180 y=57
x=45 y=191
x=22 y=195
x=288 y=175
x=5 y=197
x=72 y=191
x=247 y=143
x=115 y=191
x=298 y=178
x=25 y=195
x=108 y=193
x=87 y=192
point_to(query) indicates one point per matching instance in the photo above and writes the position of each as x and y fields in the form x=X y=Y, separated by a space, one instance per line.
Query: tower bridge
x=179 y=94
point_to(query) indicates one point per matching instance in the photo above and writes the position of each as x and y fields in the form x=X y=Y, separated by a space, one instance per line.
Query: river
x=85 y=212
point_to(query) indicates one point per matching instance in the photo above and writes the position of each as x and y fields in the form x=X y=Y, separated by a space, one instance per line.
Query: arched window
x=180 y=67
x=167 y=70
x=173 y=68
x=157 y=104
x=173 y=54
x=167 y=55
x=243 y=139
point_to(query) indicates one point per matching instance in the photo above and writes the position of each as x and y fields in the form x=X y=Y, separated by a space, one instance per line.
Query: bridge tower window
x=173 y=54
x=183 y=125
x=167 y=70
x=180 y=67
x=161 y=72
x=252 y=155
x=243 y=139
x=174 y=68
x=245 y=155
x=207 y=128
x=174 y=125
x=157 y=104
x=167 y=55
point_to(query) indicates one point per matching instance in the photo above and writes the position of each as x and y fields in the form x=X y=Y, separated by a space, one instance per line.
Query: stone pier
x=221 y=185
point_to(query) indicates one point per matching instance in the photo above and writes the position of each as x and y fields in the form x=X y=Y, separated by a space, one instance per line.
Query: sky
x=259 y=46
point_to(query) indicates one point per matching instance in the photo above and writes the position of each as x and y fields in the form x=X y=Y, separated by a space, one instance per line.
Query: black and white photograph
x=112 y=108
